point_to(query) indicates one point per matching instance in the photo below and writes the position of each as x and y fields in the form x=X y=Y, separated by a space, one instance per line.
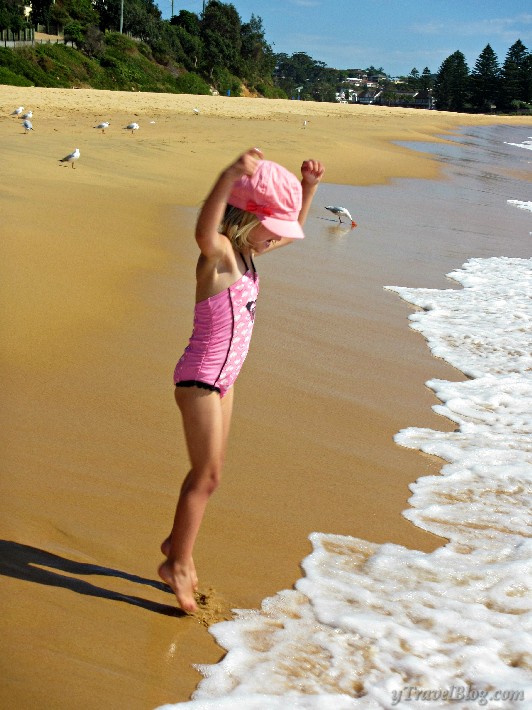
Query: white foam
x=482 y=329
x=520 y=204
x=525 y=144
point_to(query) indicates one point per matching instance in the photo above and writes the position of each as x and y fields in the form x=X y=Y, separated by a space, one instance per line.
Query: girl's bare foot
x=180 y=579
x=165 y=549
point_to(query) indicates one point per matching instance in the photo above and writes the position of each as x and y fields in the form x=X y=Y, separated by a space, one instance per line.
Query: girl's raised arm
x=312 y=173
x=208 y=238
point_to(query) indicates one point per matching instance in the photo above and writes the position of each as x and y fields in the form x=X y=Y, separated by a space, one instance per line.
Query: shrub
x=191 y=83
x=11 y=79
x=225 y=81
x=271 y=92
x=145 y=50
x=121 y=43
x=93 y=45
x=73 y=31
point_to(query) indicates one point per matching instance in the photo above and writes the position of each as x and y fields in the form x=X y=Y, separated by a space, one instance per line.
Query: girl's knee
x=205 y=479
x=212 y=480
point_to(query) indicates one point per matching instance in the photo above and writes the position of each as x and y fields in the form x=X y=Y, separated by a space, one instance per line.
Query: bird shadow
x=25 y=562
x=338 y=224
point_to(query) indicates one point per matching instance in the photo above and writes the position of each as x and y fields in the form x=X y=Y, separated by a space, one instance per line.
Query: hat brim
x=283 y=227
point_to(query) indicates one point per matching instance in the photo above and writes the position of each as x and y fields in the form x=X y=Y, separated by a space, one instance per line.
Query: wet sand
x=97 y=296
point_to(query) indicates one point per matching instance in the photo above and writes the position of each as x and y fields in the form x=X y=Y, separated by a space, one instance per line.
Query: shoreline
x=100 y=275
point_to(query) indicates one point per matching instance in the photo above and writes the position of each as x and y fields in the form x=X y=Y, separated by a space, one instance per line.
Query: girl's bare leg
x=206 y=422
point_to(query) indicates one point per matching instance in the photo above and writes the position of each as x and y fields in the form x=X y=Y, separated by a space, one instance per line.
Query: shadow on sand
x=25 y=562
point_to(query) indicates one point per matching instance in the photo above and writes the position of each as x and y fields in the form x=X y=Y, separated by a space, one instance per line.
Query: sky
x=397 y=35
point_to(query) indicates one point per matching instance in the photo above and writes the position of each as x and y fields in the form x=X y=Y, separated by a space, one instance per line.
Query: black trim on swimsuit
x=252 y=265
x=197 y=383
x=229 y=295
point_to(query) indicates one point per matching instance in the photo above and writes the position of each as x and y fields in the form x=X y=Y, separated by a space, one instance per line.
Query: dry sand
x=97 y=295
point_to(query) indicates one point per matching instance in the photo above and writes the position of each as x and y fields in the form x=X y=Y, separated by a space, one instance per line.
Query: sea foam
x=521 y=204
x=524 y=144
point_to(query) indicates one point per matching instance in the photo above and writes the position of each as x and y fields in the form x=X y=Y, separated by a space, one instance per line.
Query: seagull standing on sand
x=29 y=114
x=71 y=157
x=339 y=211
x=196 y=111
x=17 y=111
x=103 y=125
x=132 y=127
x=28 y=126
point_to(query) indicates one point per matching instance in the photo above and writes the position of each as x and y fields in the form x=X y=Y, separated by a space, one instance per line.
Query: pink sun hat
x=274 y=195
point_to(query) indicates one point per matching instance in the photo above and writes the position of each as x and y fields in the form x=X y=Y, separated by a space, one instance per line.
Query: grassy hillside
x=121 y=64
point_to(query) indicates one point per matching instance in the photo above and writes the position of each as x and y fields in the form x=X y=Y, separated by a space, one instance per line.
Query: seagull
x=196 y=111
x=29 y=114
x=18 y=111
x=27 y=126
x=71 y=157
x=132 y=127
x=339 y=211
x=305 y=122
x=103 y=125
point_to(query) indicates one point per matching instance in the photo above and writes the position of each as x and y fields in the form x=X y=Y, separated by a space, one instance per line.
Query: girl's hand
x=312 y=172
x=246 y=164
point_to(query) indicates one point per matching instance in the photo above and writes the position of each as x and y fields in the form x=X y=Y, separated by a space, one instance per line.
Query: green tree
x=189 y=21
x=296 y=74
x=109 y=14
x=257 y=58
x=74 y=32
x=414 y=78
x=12 y=15
x=40 y=12
x=191 y=44
x=485 y=81
x=451 y=86
x=94 y=43
x=81 y=11
x=301 y=76
x=516 y=82
x=221 y=36
x=426 y=81
x=142 y=18
x=527 y=79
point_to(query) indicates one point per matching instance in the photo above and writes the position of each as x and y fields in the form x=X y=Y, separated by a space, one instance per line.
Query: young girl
x=255 y=206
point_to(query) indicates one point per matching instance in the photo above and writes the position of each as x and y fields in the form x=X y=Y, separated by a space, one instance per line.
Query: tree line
x=217 y=48
x=489 y=86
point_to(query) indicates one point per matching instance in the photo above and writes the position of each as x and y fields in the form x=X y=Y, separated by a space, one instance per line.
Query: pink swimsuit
x=220 y=338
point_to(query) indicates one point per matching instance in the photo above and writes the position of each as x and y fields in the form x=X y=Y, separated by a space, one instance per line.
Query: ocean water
x=381 y=626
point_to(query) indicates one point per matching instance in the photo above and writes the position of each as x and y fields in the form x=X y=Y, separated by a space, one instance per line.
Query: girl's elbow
x=204 y=235
x=209 y=244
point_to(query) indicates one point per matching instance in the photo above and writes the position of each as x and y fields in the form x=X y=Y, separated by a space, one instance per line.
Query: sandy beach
x=97 y=296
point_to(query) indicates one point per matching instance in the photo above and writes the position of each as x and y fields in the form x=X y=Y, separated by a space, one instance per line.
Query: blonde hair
x=236 y=225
